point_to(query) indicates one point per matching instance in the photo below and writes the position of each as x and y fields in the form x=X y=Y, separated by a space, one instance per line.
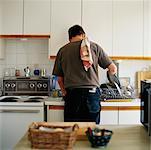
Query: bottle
x=43 y=72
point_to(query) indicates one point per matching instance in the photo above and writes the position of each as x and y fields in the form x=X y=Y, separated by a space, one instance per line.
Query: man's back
x=73 y=70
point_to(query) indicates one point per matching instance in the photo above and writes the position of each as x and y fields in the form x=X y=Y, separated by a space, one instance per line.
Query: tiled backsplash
x=22 y=53
x=128 y=68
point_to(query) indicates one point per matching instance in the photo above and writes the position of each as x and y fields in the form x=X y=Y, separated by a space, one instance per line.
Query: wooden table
x=127 y=137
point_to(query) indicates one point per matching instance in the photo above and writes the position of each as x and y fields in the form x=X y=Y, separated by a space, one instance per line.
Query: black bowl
x=99 y=137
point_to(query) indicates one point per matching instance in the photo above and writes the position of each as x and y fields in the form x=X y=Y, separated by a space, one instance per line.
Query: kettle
x=27 y=72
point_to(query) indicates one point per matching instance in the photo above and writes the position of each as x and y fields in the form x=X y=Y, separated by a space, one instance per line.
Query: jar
x=17 y=72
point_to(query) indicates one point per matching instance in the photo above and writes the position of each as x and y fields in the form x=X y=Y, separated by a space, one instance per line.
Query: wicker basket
x=54 y=140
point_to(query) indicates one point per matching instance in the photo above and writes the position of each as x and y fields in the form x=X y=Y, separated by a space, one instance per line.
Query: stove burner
x=9 y=99
x=32 y=100
x=35 y=98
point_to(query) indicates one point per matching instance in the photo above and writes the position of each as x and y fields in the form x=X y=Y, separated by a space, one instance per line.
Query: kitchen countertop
x=130 y=137
x=60 y=102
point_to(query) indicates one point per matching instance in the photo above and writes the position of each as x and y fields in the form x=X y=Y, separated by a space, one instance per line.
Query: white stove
x=22 y=100
x=16 y=114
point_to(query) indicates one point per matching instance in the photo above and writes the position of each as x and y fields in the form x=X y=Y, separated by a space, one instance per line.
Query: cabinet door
x=64 y=14
x=36 y=16
x=55 y=113
x=12 y=16
x=128 y=28
x=97 y=22
x=109 y=115
x=129 y=116
x=147 y=28
x=1 y=17
x=2 y=47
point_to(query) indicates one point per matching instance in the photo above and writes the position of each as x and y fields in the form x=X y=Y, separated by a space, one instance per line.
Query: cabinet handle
x=18 y=111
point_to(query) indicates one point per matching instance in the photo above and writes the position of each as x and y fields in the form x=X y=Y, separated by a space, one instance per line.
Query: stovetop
x=22 y=99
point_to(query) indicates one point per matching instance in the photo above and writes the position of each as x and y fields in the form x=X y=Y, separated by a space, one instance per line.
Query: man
x=76 y=66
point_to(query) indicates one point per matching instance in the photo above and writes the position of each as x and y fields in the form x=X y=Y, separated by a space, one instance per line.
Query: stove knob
x=44 y=85
x=39 y=85
x=13 y=85
x=32 y=85
x=7 y=85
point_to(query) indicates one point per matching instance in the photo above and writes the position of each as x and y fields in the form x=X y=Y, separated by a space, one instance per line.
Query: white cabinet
x=64 y=14
x=97 y=22
x=1 y=17
x=120 y=114
x=128 y=28
x=109 y=117
x=129 y=116
x=55 y=113
x=2 y=47
x=37 y=16
x=12 y=16
x=26 y=17
x=1 y=40
x=147 y=28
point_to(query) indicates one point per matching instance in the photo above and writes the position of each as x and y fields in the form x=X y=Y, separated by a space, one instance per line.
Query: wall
x=128 y=68
x=22 y=53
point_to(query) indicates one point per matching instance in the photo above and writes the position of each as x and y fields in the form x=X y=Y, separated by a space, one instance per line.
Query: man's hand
x=112 y=68
x=61 y=84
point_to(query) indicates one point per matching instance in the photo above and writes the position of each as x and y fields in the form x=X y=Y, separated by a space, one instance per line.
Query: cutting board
x=142 y=75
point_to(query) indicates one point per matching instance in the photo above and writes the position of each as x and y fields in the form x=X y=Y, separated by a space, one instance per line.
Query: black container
x=99 y=137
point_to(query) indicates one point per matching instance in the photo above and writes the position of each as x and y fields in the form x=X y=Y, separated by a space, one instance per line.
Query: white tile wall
x=128 y=68
x=22 y=53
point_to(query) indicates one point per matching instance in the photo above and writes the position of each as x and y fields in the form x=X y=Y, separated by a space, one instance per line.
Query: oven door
x=14 y=122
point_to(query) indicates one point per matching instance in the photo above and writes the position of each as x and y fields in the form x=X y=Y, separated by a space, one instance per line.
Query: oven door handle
x=18 y=111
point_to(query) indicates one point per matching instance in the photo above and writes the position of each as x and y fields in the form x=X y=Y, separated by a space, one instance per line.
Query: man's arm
x=61 y=84
x=112 y=68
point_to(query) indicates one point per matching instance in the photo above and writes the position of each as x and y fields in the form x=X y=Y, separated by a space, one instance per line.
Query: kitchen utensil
x=27 y=72
x=113 y=79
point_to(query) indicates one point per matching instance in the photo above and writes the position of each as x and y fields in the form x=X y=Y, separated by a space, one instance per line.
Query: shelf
x=24 y=36
x=119 y=58
x=130 y=58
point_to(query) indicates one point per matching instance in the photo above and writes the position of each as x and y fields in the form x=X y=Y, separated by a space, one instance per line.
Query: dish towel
x=85 y=53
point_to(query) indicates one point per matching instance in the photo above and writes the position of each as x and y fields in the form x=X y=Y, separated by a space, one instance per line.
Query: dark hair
x=75 y=30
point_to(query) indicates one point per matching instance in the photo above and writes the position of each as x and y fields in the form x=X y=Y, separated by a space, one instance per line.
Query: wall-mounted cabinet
x=12 y=16
x=0 y=16
x=64 y=14
x=127 y=28
x=2 y=47
x=25 y=17
x=97 y=22
x=147 y=28
x=37 y=16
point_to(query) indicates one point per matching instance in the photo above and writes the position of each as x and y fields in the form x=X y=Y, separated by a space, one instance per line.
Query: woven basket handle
x=75 y=127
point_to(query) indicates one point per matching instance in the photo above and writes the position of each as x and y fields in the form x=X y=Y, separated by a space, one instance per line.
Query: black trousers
x=82 y=105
